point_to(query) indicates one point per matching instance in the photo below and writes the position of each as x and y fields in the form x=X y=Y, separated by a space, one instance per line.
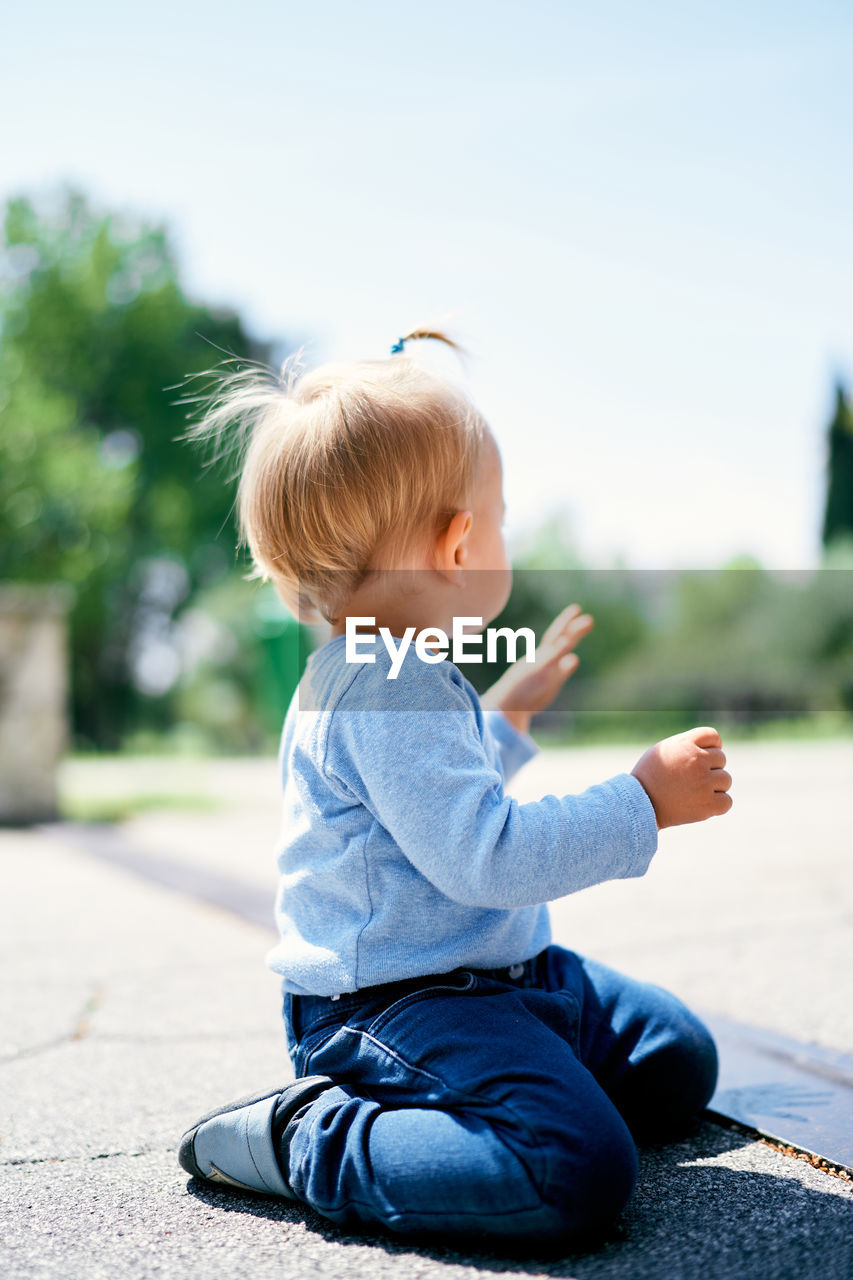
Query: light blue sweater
x=401 y=855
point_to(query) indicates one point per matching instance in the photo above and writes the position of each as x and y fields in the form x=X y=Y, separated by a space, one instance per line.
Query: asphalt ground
x=128 y=1009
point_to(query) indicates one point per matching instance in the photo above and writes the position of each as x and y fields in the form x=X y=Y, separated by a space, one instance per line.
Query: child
x=456 y=1074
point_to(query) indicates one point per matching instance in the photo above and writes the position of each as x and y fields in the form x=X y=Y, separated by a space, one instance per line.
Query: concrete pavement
x=128 y=1009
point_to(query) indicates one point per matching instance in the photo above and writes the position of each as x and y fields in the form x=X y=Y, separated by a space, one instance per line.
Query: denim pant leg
x=654 y=1058
x=461 y=1109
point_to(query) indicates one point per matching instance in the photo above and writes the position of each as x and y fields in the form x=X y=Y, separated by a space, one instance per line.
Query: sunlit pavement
x=129 y=1008
x=750 y=915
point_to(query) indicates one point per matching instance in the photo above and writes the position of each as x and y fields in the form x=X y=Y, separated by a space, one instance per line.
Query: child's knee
x=593 y=1182
x=676 y=1082
x=691 y=1058
x=580 y=1189
x=589 y=1171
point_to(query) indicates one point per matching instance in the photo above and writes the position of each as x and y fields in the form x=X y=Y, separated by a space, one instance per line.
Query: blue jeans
x=503 y=1103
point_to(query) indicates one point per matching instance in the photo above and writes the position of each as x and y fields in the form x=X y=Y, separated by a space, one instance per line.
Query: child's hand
x=527 y=688
x=685 y=777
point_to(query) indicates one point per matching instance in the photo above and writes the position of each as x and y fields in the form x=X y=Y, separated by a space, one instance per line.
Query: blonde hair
x=341 y=464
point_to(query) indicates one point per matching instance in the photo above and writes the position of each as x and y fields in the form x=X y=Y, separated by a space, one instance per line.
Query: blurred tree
x=838 y=517
x=741 y=645
x=243 y=656
x=96 y=334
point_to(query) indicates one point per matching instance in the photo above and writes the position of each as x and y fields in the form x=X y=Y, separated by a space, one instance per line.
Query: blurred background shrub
x=172 y=649
x=96 y=488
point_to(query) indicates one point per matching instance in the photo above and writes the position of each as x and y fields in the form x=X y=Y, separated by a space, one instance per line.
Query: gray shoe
x=233 y=1146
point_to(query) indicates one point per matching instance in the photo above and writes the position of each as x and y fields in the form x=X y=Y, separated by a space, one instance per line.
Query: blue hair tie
x=398 y=346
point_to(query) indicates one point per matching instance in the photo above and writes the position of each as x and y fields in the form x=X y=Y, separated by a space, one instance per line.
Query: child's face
x=485 y=552
x=486 y=548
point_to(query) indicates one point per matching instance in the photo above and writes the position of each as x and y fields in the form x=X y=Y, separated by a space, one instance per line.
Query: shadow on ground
x=700 y=1209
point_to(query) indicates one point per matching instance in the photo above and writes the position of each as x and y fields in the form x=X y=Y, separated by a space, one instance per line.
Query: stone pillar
x=33 y=699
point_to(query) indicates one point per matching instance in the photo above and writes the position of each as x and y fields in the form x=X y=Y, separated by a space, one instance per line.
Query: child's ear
x=451 y=546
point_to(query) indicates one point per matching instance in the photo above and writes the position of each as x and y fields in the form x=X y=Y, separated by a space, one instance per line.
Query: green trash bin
x=284 y=646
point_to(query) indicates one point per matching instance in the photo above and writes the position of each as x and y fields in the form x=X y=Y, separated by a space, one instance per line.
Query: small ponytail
x=417 y=334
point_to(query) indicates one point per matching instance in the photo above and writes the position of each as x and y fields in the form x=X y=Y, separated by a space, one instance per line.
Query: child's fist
x=685 y=777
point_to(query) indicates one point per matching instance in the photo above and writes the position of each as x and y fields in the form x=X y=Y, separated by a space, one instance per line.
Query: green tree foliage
x=244 y=654
x=96 y=489
x=739 y=645
x=838 y=517
x=97 y=340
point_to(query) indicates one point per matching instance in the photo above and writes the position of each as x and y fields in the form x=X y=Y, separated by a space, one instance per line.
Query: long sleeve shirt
x=401 y=854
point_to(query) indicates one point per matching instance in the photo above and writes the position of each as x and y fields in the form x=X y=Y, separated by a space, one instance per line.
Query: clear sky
x=636 y=217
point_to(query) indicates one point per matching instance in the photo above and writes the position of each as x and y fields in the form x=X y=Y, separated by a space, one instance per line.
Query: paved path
x=127 y=1009
x=750 y=915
